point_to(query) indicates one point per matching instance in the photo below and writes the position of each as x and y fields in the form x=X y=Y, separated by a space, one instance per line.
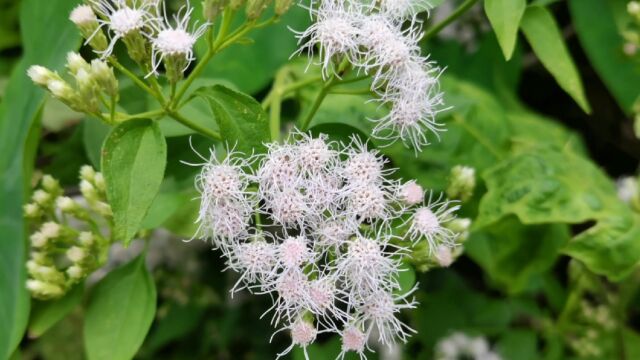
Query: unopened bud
x=44 y=290
x=41 y=75
x=76 y=254
x=32 y=210
x=282 y=6
x=61 y=90
x=87 y=22
x=75 y=62
x=137 y=46
x=411 y=193
x=212 y=8
x=41 y=197
x=66 y=204
x=87 y=173
x=236 y=4
x=461 y=227
x=461 y=183
x=633 y=8
x=50 y=184
x=86 y=238
x=443 y=255
x=51 y=229
x=255 y=8
x=88 y=191
x=105 y=77
x=38 y=239
x=75 y=272
x=98 y=181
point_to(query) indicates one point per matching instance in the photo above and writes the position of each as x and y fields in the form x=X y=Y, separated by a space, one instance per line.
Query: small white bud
x=411 y=193
x=40 y=75
x=60 y=89
x=633 y=8
x=44 y=289
x=41 y=197
x=75 y=62
x=87 y=173
x=75 y=272
x=86 y=238
x=98 y=181
x=38 y=239
x=31 y=210
x=444 y=256
x=66 y=204
x=51 y=230
x=76 y=254
x=83 y=15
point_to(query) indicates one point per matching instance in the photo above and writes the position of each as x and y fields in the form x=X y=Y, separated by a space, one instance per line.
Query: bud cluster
x=631 y=34
x=61 y=255
x=594 y=321
x=91 y=81
x=382 y=38
x=318 y=225
x=462 y=346
x=462 y=182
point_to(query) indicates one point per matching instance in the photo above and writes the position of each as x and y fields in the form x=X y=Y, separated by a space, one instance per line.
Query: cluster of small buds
x=373 y=36
x=424 y=256
x=61 y=255
x=310 y=223
x=595 y=322
x=631 y=35
x=462 y=183
x=462 y=346
x=91 y=80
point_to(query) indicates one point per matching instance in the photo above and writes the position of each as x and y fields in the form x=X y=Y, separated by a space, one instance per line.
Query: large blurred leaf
x=513 y=254
x=120 y=312
x=505 y=16
x=17 y=113
x=251 y=67
x=546 y=185
x=542 y=32
x=134 y=157
x=597 y=31
x=242 y=121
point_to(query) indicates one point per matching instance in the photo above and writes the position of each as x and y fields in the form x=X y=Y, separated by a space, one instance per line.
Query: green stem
x=284 y=90
x=112 y=114
x=434 y=30
x=194 y=126
x=572 y=301
x=146 y=115
x=132 y=76
x=316 y=103
x=362 y=91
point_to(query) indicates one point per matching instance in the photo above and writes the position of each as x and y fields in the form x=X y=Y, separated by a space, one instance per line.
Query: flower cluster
x=61 y=255
x=462 y=346
x=321 y=227
x=373 y=37
x=91 y=81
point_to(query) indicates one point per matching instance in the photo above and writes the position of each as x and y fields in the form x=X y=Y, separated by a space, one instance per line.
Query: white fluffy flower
x=175 y=40
x=353 y=339
x=379 y=311
x=123 y=18
x=303 y=333
x=293 y=252
x=255 y=260
x=427 y=223
x=335 y=32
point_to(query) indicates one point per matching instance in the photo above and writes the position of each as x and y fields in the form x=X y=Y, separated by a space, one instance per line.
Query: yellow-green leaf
x=505 y=16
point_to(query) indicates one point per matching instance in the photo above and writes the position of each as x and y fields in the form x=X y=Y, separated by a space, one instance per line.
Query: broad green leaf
x=518 y=344
x=600 y=38
x=134 y=156
x=505 y=16
x=120 y=312
x=546 y=185
x=542 y=32
x=251 y=67
x=514 y=255
x=45 y=314
x=242 y=121
x=611 y=248
x=18 y=111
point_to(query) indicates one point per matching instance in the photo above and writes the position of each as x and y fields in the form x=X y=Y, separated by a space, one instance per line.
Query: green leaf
x=134 y=156
x=542 y=32
x=120 y=312
x=45 y=314
x=599 y=36
x=93 y=134
x=514 y=255
x=518 y=344
x=545 y=185
x=610 y=248
x=242 y=121
x=505 y=16
x=18 y=111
